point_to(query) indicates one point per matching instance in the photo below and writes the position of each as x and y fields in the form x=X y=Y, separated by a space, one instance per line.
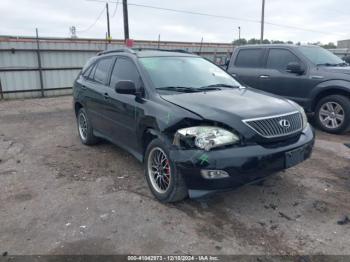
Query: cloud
x=53 y=18
x=188 y=32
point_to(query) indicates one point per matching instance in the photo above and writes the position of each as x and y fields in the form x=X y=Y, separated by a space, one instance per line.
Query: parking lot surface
x=60 y=197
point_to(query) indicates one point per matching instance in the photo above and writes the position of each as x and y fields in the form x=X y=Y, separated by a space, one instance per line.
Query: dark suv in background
x=312 y=76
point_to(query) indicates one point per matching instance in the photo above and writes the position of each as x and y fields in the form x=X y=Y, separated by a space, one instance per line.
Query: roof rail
x=118 y=50
x=133 y=50
x=159 y=49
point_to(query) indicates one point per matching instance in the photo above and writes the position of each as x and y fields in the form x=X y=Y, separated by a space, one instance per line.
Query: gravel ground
x=60 y=197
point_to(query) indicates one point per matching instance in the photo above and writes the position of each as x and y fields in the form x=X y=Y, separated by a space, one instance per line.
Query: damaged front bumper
x=242 y=164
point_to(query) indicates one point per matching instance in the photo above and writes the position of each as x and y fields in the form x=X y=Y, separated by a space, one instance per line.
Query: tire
x=176 y=189
x=85 y=133
x=324 y=118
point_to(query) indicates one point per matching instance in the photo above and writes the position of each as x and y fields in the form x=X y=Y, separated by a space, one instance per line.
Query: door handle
x=264 y=77
x=83 y=87
x=106 y=96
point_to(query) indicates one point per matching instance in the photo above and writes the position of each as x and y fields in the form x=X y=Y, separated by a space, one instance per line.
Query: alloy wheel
x=82 y=124
x=159 y=170
x=331 y=115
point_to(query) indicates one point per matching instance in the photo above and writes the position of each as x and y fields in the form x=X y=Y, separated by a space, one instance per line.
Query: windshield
x=188 y=72
x=320 y=56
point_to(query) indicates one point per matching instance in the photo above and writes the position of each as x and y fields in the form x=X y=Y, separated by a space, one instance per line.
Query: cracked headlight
x=206 y=137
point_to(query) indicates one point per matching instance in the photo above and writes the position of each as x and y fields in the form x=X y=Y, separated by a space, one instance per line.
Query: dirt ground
x=58 y=196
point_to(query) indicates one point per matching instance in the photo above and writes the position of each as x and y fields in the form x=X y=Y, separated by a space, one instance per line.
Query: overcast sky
x=330 y=18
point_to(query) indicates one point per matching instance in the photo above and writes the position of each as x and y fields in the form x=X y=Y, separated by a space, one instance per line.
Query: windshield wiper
x=178 y=88
x=188 y=89
x=219 y=85
x=327 y=64
x=343 y=64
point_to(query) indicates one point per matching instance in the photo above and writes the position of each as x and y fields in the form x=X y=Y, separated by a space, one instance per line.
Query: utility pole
x=108 y=28
x=200 y=47
x=39 y=63
x=239 y=34
x=108 y=35
x=262 y=22
x=126 y=20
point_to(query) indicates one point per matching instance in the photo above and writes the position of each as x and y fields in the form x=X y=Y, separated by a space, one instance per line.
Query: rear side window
x=249 y=58
x=87 y=72
x=102 y=69
x=280 y=58
x=88 y=63
x=124 y=69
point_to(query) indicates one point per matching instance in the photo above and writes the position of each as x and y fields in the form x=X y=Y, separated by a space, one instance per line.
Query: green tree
x=277 y=42
x=241 y=41
x=253 y=41
x=330 y=45
x=315 y=43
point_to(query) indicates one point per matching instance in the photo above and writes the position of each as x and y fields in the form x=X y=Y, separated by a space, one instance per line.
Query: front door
x=123 y=109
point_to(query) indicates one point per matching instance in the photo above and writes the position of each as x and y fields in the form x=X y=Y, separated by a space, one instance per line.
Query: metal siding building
x=344 y=44
x=62 y=59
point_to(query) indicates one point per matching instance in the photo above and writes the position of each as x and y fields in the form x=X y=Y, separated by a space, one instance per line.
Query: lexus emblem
x=284 y=123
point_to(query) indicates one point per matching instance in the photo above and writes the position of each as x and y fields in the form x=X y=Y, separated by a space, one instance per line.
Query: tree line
x=254 y=41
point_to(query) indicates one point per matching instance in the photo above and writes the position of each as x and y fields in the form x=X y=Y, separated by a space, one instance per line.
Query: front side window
x=178 y=71
x=249 y=58
x=280 y=58
x=320 y=56
x=124 y=69
x=102 y=70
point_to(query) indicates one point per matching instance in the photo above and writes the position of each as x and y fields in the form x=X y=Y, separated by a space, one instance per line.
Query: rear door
x=96 y=88
x=246 y=66
x=275 y=79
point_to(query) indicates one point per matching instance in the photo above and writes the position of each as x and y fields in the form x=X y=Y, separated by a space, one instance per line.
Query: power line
x=231 y=18
x=125 y=16
x=116 y=8
x=94 y=23
x=339 y=11
x=194 y=13
x=219 y=16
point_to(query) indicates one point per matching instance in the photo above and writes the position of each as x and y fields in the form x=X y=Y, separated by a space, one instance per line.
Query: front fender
x=330 y=86
x=163 y=119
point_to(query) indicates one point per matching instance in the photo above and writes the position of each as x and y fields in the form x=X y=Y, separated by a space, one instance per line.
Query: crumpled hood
x=228 y=106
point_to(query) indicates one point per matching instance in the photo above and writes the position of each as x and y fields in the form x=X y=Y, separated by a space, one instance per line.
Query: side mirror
x=125 y=87
x=294 y=67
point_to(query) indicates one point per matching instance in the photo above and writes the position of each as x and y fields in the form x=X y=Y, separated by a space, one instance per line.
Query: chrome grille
x=276 y=126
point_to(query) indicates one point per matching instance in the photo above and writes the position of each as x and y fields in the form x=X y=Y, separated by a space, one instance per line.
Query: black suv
x=312 y=76
x=195 y=128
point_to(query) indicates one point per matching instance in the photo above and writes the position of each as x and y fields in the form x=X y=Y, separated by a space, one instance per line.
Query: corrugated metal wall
x=62 y=59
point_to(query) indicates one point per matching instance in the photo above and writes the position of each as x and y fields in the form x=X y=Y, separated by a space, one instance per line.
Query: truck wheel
x=166 y=184
x=332 y=114
x=85 y=129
